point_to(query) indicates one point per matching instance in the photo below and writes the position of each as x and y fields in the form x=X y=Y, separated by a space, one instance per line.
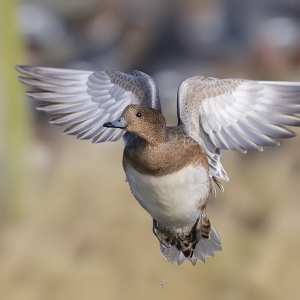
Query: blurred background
x=69 y=227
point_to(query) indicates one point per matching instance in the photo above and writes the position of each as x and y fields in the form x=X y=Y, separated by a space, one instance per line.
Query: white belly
x=172 y=199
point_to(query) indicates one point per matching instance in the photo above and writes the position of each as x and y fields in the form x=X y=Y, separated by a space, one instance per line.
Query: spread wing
x=84 y=100
x=236 y=114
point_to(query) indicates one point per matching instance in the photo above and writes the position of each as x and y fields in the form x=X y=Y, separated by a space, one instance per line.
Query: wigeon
x=171 y=171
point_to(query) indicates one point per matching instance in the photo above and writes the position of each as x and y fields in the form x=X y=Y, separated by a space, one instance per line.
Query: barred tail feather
x=204 y=248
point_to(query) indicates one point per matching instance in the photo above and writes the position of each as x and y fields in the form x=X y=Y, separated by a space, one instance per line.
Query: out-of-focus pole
x=14 y=133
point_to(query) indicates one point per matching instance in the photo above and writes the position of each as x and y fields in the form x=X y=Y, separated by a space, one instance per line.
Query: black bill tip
x=108 y=124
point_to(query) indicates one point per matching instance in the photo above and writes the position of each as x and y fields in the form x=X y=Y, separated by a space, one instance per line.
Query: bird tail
x=204 y=248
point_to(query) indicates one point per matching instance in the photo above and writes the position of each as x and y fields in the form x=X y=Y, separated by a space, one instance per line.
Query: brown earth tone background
x=69 y=228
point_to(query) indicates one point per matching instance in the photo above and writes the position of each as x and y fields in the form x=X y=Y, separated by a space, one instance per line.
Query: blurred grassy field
x=70 y=229
x=81 y=235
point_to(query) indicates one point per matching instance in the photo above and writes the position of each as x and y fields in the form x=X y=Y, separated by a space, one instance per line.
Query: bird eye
x=138 y=114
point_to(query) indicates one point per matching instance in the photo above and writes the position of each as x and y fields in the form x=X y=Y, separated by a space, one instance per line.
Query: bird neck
x=156 y=137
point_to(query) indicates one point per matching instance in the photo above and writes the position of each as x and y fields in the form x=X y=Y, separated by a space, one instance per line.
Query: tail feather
x=171 y=254
x=204 y=248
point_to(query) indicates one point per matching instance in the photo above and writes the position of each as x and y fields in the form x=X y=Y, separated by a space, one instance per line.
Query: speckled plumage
x=166 y=157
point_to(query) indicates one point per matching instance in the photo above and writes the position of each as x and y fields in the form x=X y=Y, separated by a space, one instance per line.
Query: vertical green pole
x=14 y=134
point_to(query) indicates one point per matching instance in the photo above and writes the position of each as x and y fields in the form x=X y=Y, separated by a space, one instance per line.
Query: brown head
x=143 y=121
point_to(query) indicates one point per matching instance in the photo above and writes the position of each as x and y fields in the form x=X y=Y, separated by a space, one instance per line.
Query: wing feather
x=236 y=114
x=84 y=100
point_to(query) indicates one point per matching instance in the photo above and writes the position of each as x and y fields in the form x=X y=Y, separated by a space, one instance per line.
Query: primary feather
x=85 y=100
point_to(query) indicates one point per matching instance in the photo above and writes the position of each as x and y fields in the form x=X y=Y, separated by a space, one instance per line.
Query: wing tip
x=25 y=70
x=18 y=68
x=23 y=79
x=31 y=95
x=292 y=134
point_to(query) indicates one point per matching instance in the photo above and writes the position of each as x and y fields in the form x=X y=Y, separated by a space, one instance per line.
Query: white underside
x=172 y=199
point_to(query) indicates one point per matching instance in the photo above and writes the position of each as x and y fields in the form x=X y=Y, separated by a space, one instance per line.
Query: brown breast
x=170 y=156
